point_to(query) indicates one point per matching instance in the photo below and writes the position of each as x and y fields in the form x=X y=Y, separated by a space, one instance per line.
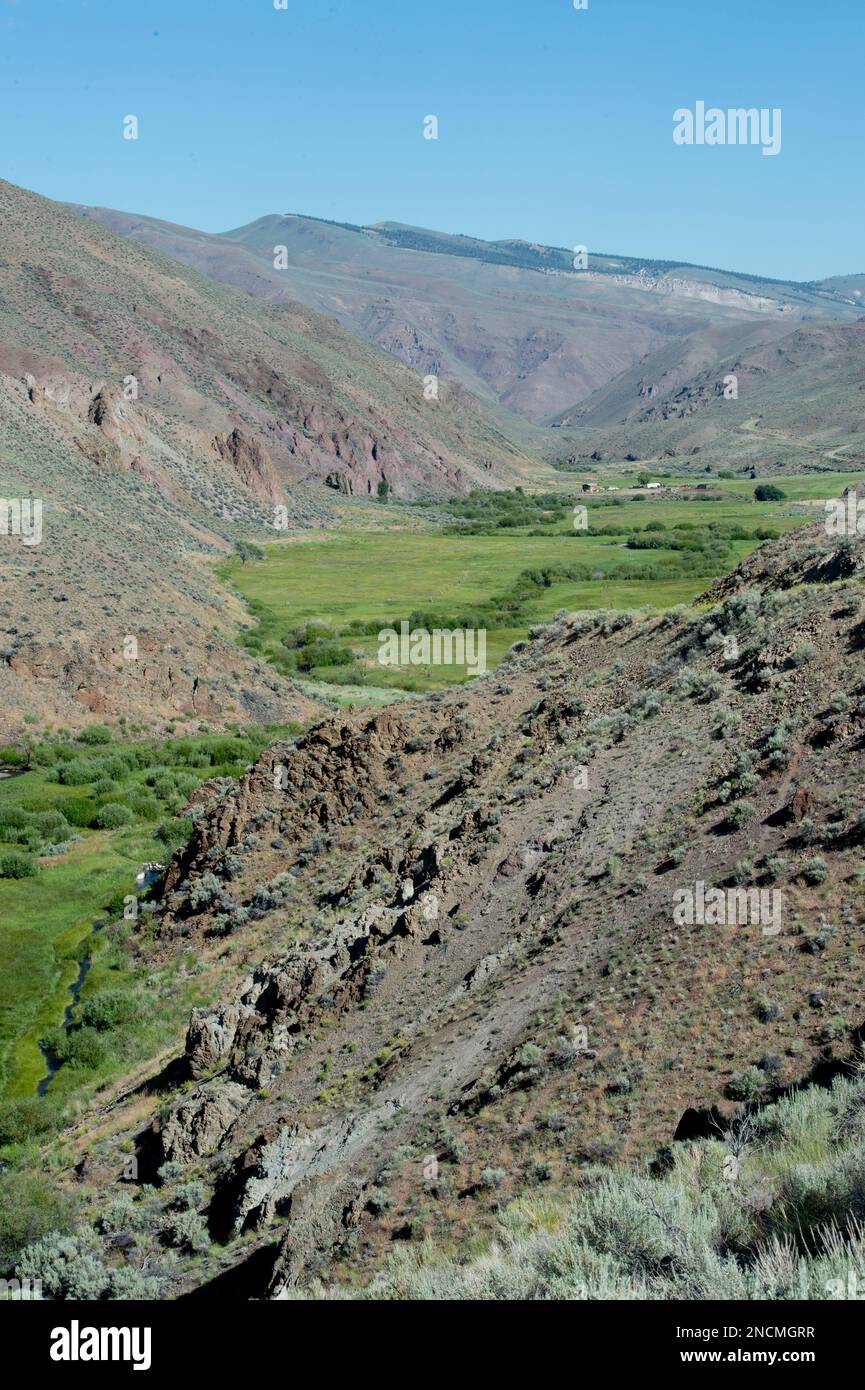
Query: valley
x=402 y=1006
x=432 y=679
x=434 y=973
x=503 y=563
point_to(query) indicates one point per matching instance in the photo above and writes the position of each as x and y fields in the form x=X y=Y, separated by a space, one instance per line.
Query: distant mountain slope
x=799 y=404
x=511 y=320
x=157 y=414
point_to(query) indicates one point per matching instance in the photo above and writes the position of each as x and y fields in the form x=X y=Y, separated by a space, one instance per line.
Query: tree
x=383 y=490
x=768 y=492
x=247 y=551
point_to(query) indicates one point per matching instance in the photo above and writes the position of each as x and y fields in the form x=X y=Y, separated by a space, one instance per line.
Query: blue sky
x=554 y=125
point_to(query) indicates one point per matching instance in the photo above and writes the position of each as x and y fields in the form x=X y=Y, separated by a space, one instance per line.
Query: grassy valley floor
x=503 y=562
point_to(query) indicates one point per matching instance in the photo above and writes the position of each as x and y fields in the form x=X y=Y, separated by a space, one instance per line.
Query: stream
x=52 y=1061
x=145 y=880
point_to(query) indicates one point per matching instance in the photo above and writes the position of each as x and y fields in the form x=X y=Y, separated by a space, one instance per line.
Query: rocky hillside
x=156 y=416
x=461 y=963
x=625 y=358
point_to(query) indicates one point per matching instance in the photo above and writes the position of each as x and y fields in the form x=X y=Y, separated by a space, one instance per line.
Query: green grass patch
x=46 y=921
x=502 y=561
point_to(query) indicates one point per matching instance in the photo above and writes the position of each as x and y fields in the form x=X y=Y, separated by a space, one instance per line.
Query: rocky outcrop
x=252 y=464
x=116 y=417
x=281 y=1158
x=341 y=482
x=198 y=1126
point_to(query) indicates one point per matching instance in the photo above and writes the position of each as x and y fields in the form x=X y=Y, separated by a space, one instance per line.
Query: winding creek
x=52 y=1061
x=145 y=880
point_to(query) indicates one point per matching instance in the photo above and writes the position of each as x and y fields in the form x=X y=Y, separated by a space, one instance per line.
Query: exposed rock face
x=198 y=1126
x=281 y=1158
x=116 y=417
x=341 y=482
x=210 y=1036
x=461 y=958
x=251 y=461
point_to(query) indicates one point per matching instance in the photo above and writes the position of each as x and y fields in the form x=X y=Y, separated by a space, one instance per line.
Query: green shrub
x=81 y=771
x=130 y=1285
x=34 y=829
x=814 y=870
x=189 y=1194
x=95 y=733
x=26 y=1118
x=173 y=835
x=203 y=893
x=81 y=813
x=105 y=786
x=119 y=1215
x=805 y=652
x=29 y=1209
x=14 y=865
x=67 y=1266
x=490 y=1178
x=10 y=756
x=740 y=813
x=113 y=815
x=105 y=1010
x=142 y=803
x=747 y=1085
x=189 y=1232
x=84 y=1048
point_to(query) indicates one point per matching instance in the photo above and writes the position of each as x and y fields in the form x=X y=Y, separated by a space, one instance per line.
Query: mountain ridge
x=519 y=328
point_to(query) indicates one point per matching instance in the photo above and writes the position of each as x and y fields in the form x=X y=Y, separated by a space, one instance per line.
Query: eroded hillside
x=513 y=320
x=457 y=973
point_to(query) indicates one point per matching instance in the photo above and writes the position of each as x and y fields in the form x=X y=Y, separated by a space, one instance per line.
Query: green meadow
x=47 y=914
x=797 y=486
x=329 y=595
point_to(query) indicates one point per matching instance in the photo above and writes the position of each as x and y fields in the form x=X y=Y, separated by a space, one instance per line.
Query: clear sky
x=555 y=125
